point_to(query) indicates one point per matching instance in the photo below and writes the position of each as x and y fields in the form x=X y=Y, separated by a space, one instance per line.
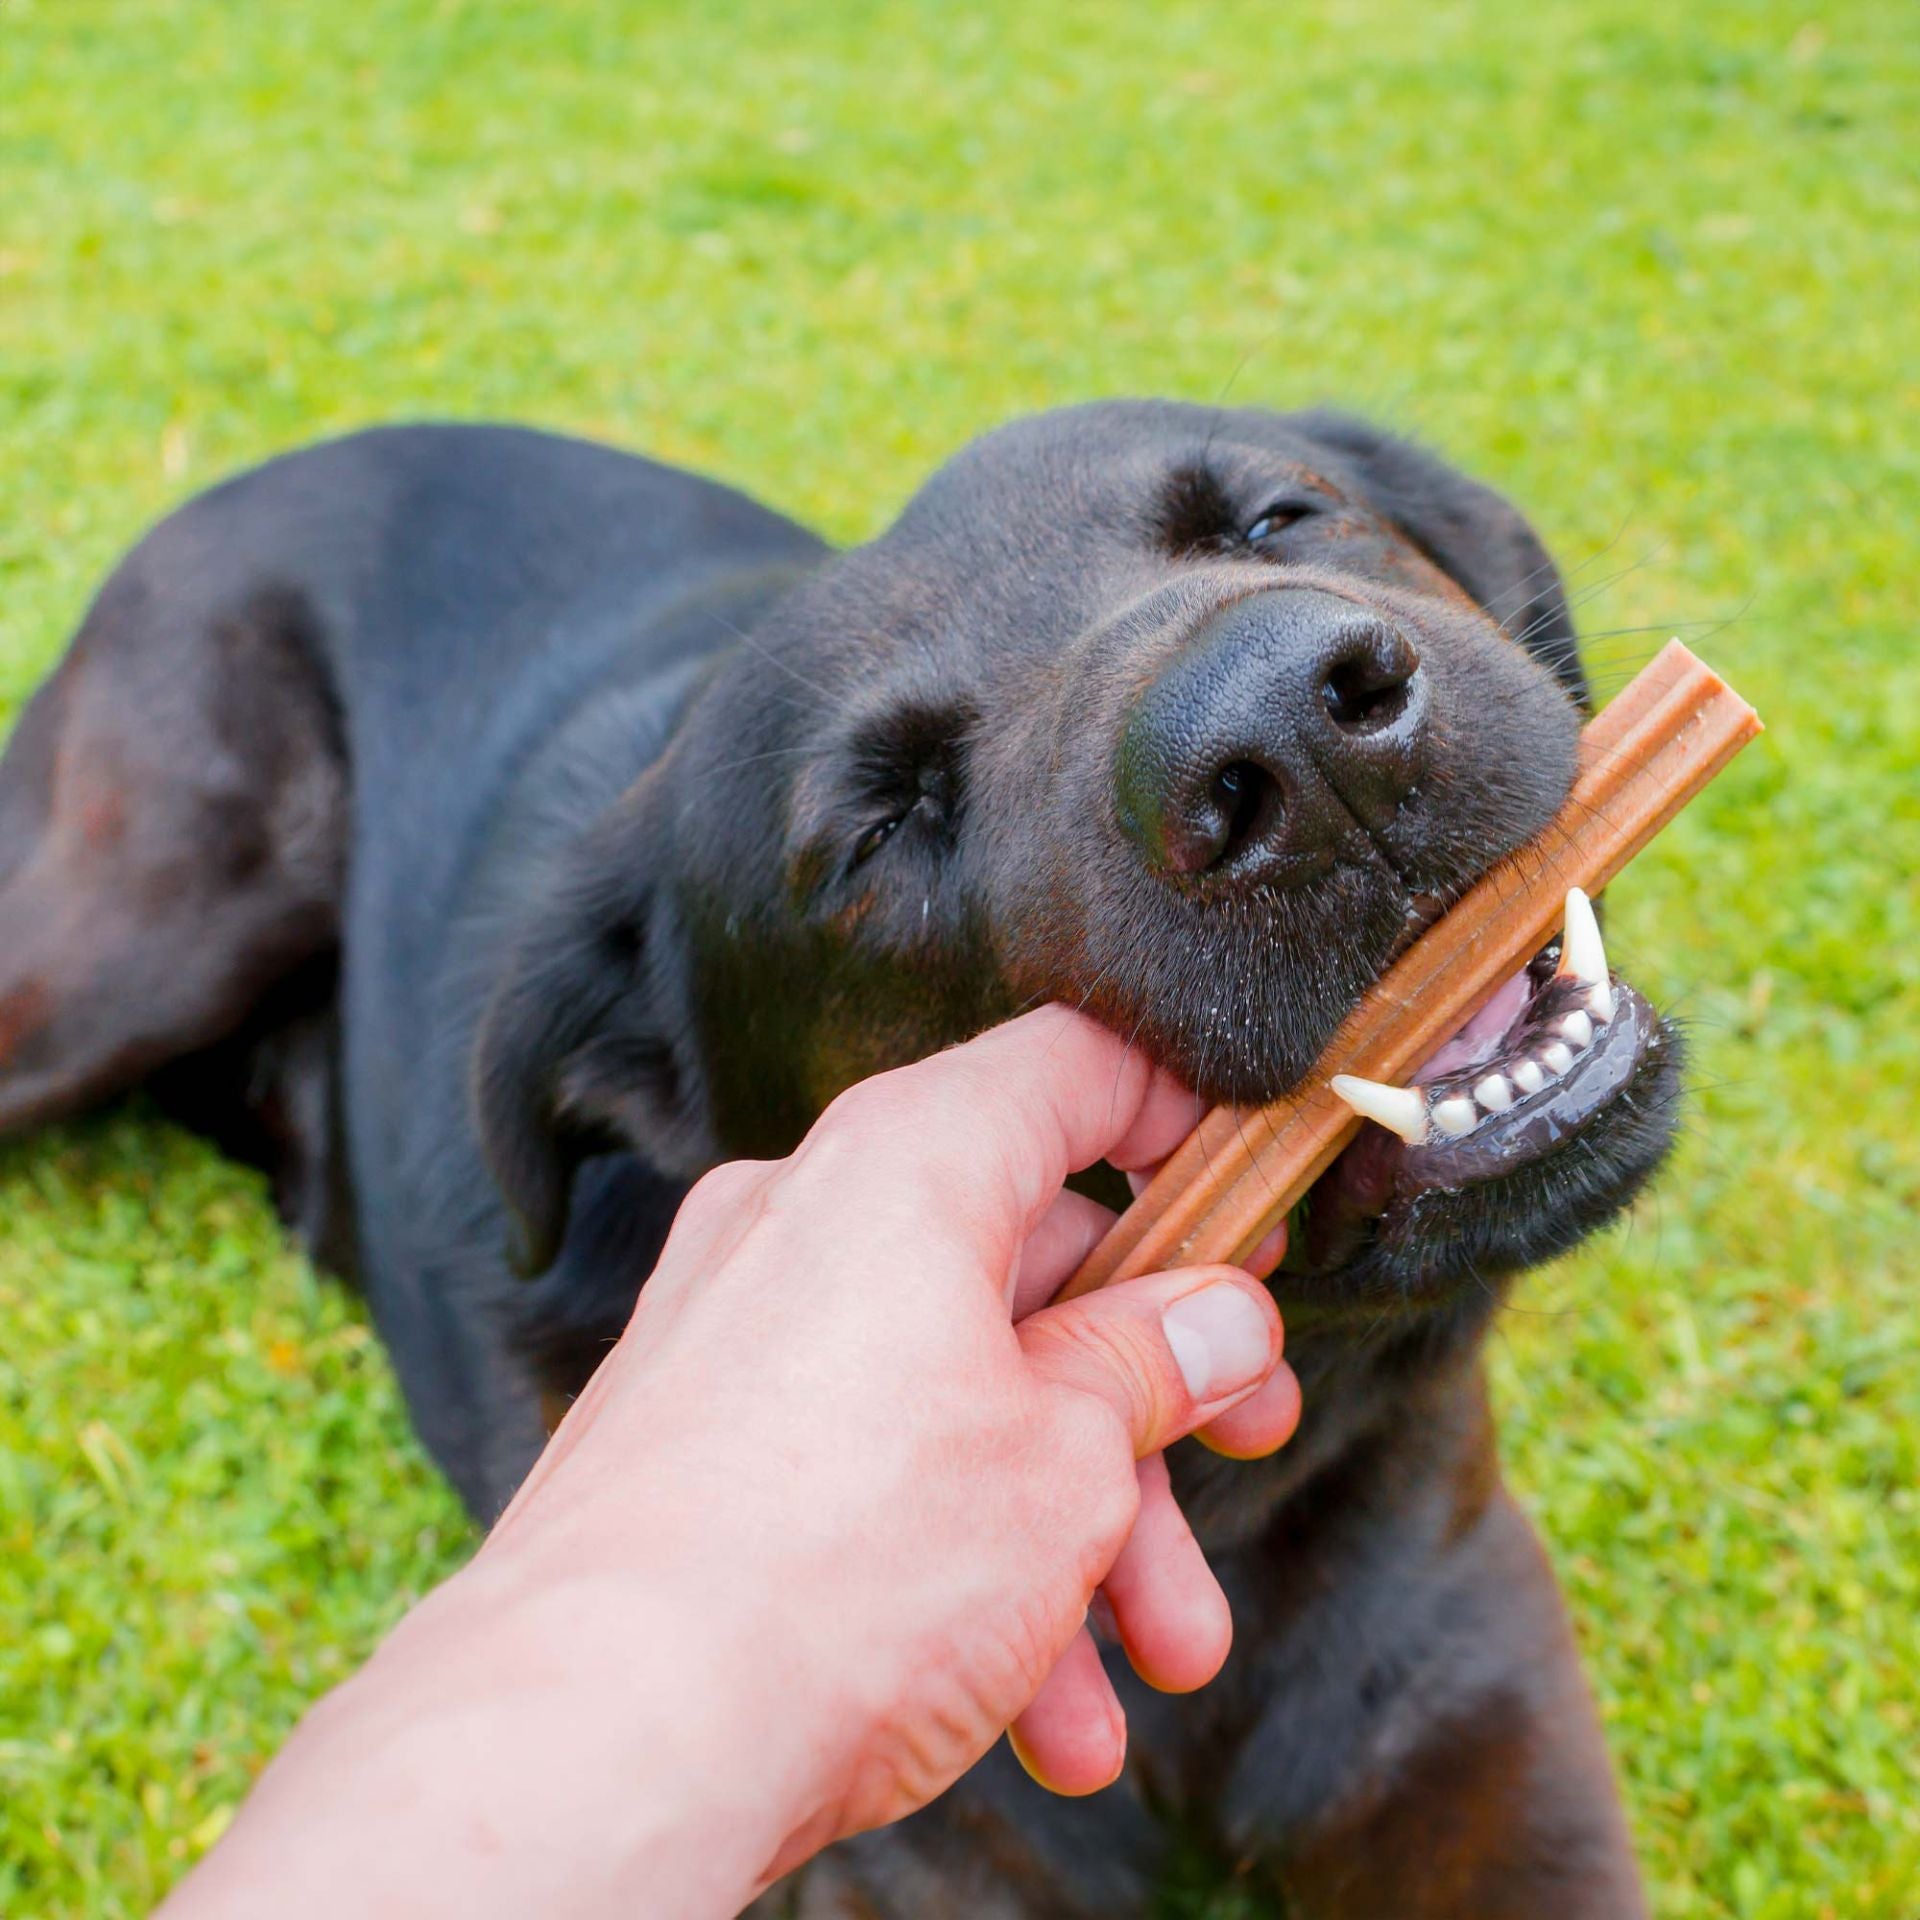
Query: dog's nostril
x=1362 y=696
x=1247 y=797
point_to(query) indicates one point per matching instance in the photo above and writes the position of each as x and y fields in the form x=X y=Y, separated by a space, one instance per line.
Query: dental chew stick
x=1655 y=746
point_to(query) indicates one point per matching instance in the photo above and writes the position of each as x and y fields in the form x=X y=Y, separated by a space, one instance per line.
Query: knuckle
x=917 y=1137
x=870 y=1116
x=853 y=1108
x=1085 y=1425
x=1113 y=1495
x=720 y=1190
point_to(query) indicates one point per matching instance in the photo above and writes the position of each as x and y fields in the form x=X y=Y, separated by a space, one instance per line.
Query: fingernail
x=1220 y=1339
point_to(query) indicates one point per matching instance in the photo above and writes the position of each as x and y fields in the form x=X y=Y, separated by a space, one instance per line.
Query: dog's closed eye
x=1277 y=517
x=908 y=772
x=1204 y=511
x=895 y=782
x=931 y=803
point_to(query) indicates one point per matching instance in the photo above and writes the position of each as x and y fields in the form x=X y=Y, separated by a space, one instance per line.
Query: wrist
x=632 y=1710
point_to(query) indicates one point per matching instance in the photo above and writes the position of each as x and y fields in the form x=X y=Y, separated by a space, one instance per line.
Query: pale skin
x=825 y=1524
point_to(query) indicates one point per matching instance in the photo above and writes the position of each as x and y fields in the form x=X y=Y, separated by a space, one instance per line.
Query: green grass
x=1651 y=268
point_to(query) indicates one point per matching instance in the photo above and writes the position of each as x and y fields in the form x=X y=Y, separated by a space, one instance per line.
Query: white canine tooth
x=1529 y=1076
x=1600 y=1004
x=1401 y=1110
x=1494 y=1093
x=1578 y=1030
x=1557 y=1056
x=1456 y=1116
x=1581 y=953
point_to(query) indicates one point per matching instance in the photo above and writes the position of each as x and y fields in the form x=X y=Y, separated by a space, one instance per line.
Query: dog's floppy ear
x=585 y=1046
x=1475 y=537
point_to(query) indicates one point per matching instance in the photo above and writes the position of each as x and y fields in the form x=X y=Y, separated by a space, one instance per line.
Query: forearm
x=584 y=1749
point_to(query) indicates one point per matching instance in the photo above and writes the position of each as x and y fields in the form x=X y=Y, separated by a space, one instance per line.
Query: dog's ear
x=585 y=1046
x=1473 y=535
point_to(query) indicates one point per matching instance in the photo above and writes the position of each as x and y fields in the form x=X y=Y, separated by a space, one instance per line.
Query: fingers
x=1167 y=1607
x=1173 y=1621
x=1066 y=1233
x=1268 y=1254
x=991 y=1129
x=1073 y=1737
x=1164 y=1354
x=1260 y=1424
x=1074 y=1225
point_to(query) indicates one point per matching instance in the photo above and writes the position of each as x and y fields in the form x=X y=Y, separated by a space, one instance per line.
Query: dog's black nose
x=1291 y=726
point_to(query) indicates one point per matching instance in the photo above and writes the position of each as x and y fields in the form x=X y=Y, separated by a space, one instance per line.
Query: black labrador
x=486 y=832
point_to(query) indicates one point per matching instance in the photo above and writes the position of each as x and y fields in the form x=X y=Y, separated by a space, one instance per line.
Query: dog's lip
x=1523 y=1047
x=1522 y=1079
x=1544 y=1118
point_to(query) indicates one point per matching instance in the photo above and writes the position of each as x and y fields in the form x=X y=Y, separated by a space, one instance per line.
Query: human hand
x=827 y=1520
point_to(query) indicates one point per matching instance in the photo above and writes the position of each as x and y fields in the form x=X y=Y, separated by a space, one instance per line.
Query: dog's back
x=443 y=648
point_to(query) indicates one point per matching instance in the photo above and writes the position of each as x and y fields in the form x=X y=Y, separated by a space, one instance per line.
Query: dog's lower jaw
x=1387 y=1344
x=1377 y=1242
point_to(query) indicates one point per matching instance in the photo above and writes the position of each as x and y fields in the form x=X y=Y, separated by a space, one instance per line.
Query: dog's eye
x=1276 y=518
x=932 y=806
x=908 y=772
x=877 y=836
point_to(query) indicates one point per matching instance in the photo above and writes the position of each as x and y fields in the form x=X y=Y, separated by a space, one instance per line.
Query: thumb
x=1167 y=1352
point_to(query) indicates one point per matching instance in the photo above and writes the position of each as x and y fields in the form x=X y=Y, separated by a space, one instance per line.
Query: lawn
x=1652 y=269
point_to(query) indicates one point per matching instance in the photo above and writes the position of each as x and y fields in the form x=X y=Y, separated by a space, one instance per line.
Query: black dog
x=448 y=801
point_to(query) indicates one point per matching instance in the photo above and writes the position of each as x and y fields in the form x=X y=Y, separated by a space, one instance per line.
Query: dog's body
x=444 y=744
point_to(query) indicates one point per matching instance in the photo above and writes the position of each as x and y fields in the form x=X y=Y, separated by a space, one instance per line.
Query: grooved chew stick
x=1671 y=729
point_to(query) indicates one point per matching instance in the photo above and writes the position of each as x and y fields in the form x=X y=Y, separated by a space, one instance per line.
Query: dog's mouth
x=1542 y=1114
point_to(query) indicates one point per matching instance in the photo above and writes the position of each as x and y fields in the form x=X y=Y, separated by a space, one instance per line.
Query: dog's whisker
x=772 y=659
x=1591 y=592
x=1519 y=591
x=757 y=759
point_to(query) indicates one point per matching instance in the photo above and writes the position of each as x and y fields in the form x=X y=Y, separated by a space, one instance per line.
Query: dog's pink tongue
x=1480 y=1038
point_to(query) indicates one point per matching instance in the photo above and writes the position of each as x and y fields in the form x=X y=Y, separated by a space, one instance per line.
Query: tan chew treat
x=1671 y=729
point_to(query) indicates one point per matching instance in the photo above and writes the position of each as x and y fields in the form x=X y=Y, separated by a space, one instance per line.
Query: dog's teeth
x=1578 y=1030
x=1600 y=1004
x=1529 y=1076
x=1401 y=1110
x=1456 y=1116
x=1494 y=1093
x=1557 y=1056
x=1581 y=954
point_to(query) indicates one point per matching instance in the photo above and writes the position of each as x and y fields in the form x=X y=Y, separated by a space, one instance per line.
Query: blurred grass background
x=1652 y=269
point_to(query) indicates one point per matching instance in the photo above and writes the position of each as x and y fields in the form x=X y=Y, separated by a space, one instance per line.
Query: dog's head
x=1188 y=717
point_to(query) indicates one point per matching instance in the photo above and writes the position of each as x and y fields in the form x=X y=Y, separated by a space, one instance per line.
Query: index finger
x=991 y=1129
